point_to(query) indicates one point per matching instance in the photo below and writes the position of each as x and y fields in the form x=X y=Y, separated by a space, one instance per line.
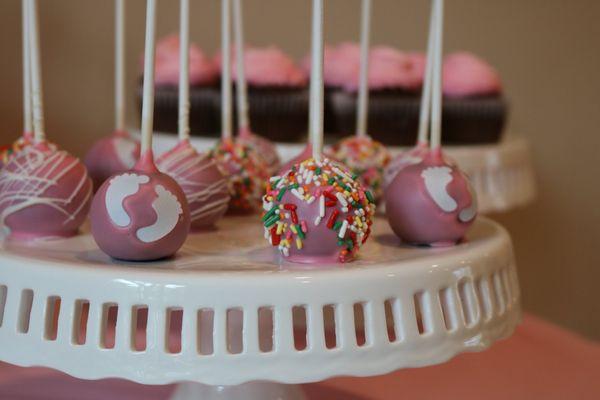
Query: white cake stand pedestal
x=236 y=322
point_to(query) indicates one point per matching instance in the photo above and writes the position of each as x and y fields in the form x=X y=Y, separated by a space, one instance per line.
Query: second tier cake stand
x=233 y=321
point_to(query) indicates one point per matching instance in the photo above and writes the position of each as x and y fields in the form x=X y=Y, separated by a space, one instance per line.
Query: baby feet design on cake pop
x=168 y=209
x=119 y=188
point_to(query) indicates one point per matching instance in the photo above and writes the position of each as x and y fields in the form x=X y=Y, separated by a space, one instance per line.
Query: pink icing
x=403 y=160
x=202 y=70
x=125 y=242
x=205 y=185
x=268 y=66
x=304 y=155
x=465 y=74
x=110 y=155
x=44 y=184
x=414 y=215
x=388 y=68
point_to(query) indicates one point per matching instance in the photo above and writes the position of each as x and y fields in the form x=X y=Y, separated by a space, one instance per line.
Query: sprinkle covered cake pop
x=119 y=151
x=141 y=214
x=432 y=202
x=317 y=212
x=204 y=183
x=247 y=171
x=365 y=157
x=44 y=192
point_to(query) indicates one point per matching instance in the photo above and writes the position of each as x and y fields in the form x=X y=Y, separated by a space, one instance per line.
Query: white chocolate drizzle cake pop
x=141 y=214
x=203 y=181
x=317 y=212
x=247 y=171
x=263 y=146
x=432 y=202
x=365 y=157
x=119 y=151
x=44 y=192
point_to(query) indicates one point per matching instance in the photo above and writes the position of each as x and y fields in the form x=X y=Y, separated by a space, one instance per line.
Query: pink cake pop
x=141 y=214
x=260 y=144
x=366 y=158
x=431 y=202
x=119 y=151
x=204 y=183
x=44 y=192
x=304 y=155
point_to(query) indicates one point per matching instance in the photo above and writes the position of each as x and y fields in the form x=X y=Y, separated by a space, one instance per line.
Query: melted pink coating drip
x=111 y=155
x=263 y=146
x=413 y=214
x=304 y=155
x=44 y=193
x=123 y=242
x=204 y=183
x=465 y=74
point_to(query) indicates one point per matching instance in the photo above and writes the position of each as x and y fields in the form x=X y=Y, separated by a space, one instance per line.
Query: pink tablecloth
x=541 y=361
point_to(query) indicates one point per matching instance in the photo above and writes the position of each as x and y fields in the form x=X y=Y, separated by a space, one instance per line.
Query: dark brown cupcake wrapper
x=394 y=120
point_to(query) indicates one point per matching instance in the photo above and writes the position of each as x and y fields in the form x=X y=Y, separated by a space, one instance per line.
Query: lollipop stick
x=426 y=92
x=363 y=90
x=316 y=81
x=436 y=111
x=226 y=70
x=36 y=74
x=184 y=77
x=27 y=112
x=148 y=94
x=242 y=97
x=120 y=65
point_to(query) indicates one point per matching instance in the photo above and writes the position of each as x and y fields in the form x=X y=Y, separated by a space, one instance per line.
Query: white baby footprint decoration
x=436 y=180
x=168 y=209
x=120 y=187
x=125 y=149
x=467 y=214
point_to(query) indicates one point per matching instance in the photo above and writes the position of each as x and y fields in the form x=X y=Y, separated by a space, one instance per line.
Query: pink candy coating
x=111 y=155
x=403 y=160
x=140 y=215
x=465 y=74
x=44 y=193
x=304 y=155
x=263 y=146
x=204 y=183
x=431 y=202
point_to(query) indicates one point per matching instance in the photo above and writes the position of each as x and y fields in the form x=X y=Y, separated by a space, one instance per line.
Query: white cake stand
x=234 y=321
x=501 y=174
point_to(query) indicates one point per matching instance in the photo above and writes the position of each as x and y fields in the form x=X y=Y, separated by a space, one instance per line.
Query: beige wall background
x=547 y=51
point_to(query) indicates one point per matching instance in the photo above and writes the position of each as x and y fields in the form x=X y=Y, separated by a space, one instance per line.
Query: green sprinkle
x=274 y=184
x=369 y=196
x=294 y=186
x=340 y=242
x=318 y=171
x=349 y=244
x=331 y=181
x=354 y=176
x=270 y=222
x=300 y=233
x=281 y=193
x=269 y=213
x=337 y=226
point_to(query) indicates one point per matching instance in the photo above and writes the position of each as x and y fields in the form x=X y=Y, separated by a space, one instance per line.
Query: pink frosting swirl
x=267 y=66
x=202 y=69
x=465 y=74
x=388 y=68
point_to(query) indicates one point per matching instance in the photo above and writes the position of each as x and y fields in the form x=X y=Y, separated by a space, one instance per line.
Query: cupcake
x=394 y=80
x=474 y=108
x=204 y=78
x=277 y=93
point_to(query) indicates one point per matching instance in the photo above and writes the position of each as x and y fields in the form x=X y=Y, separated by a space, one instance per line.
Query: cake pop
x=432 y=202
x=365 y=157
x=44 y=192
x=317 y=212
x=119 y=151
x=260 y=144
x=141 y=214
x=204 y=183
x=246 y=169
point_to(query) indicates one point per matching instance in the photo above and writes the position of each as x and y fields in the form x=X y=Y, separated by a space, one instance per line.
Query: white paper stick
x=240 y=83
x=27 y=112
x=184 y=74
x=426 y=92
x=120 y=65
x=148 y=94
x=226 y=70
x=37 y=95
x=436 y=98
x=316 y=81
x=363 y=86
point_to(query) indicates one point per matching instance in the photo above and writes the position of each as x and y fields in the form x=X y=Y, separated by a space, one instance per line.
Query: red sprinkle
x=330 y=203
x=366 y=236
x=275 y=238
x=332 y=219
x=294 y=217
x=289 y=206
x=330 y=196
